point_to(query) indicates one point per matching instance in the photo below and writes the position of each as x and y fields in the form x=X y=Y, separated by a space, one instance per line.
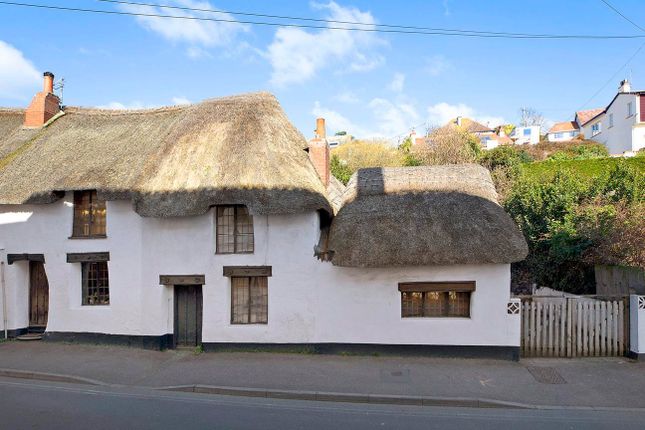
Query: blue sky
x=369 y=84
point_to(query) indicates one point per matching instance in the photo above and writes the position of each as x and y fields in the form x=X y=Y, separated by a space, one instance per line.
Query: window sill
x=248 y=324
x=235 y=253
x=436 y=318
x=96 y=236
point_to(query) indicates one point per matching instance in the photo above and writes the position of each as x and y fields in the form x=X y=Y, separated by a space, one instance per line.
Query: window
x=96 y=289
x=557 y=135
x=527 y=132
x=234 y=230
x=611 y=120
x=436 y=299
x=595 y=129
x=89 y=215
x=249 y=300
x=630 y=109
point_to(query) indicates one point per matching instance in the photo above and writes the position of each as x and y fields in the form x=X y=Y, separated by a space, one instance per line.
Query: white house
x=526 y=135
x=209 y=224
x=563 y=131
x=621 y=125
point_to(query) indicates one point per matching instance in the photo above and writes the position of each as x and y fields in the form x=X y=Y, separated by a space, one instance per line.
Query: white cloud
x=387 y=119
x=347 y=97
x=127 y=106
x=397 y=82
x=336 y=121
x=297 y=55
x=197 y=34
x=436 y=65
x=19 y=78
x=440 y=113
x=180 y=101
x=392 y=118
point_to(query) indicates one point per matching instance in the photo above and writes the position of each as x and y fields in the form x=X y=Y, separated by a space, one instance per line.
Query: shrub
x=357 y=154
x=447 y=145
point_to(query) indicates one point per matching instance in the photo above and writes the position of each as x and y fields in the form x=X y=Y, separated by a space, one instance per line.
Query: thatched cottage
x=218 y=224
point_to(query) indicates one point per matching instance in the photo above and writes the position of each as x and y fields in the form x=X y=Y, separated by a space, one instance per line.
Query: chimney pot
x=48 y=82
x=320 y=128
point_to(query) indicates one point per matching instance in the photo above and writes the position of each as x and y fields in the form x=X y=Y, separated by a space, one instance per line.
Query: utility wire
x=621 y=14
x=275 y=24
x=613 y=76
x=327 y=21
x=626 y=62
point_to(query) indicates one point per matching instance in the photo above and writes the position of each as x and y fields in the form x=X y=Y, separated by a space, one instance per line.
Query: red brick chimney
x=319 y=152
x=44 y=105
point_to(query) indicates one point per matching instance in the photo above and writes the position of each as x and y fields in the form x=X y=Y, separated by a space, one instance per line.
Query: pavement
x=598 y=383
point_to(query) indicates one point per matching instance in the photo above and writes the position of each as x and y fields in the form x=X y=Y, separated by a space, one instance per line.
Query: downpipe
x=5 y=320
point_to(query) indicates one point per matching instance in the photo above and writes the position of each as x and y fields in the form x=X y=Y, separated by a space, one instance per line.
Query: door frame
x=199 y=314
x=32 y=264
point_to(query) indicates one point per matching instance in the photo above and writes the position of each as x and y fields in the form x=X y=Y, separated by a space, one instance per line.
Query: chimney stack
x=320 y=128
x=625 y=86
x=44 y=105
x=458 y=121
x=319 y=152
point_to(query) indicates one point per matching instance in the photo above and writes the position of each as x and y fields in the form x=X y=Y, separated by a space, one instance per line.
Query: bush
x=571 y=150
x=447 y=145
x=357 y=154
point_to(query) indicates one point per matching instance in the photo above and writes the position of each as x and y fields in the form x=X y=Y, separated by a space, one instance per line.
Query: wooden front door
x=188 y=315
x=38 y=294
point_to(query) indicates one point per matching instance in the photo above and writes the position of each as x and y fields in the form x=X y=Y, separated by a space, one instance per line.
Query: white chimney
x=625 y=86
x=458 y=121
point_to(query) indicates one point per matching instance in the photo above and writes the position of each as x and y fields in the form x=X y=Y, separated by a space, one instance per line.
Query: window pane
x=240 y=300
x=96 y=289
x=97 y=213
x=259 y=300
x=411 y=304
x=89 y=214
x=243 y=230
x=434 y=304
x=225 y=229
x=458 y=304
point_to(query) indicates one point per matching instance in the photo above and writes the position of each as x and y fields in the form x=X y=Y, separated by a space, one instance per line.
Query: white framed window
x=630 y=109
x=611 y=120
x=558 y=135
x=596 y=129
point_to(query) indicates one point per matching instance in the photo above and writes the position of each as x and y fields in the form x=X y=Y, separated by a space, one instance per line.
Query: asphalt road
x=30 y=404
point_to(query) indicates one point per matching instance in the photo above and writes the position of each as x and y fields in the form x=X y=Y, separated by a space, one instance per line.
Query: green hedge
x=583 y=169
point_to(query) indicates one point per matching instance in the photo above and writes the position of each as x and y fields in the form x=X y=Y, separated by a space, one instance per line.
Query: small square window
x=89 y=215
x=249 y=300
x=527 y=132
x=96 y=286
x=234 y=230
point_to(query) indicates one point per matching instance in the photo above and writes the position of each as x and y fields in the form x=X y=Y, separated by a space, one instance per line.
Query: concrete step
x=30 y=336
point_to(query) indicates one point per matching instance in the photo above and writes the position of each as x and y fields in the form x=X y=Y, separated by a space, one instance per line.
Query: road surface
x=31 y=404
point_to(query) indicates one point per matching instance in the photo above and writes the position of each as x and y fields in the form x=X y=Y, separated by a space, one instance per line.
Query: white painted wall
x=563 y=136
x=636 y=326
x=521 y=139
x=627 y=133
x=309 y=301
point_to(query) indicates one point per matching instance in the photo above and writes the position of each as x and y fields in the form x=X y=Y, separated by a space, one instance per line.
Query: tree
x=358 y=154
x=530 y=116
x=447 y=145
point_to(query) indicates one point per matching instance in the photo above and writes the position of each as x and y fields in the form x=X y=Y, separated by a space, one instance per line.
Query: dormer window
x=234 y=230
x=89 y=215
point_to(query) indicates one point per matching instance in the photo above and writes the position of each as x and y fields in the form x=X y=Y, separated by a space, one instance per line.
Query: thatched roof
x=409 y=216
x=170 y=161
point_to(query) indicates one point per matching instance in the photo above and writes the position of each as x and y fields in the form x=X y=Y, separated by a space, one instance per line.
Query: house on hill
x=563 y=131
x=218 y=224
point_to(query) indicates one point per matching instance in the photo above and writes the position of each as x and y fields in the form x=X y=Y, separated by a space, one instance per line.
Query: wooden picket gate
x=588 y=326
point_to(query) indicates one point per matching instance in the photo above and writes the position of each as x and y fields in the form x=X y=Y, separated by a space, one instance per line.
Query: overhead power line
x=327 y=21
x=613 y=76
x=624 y=17
x=325 y=27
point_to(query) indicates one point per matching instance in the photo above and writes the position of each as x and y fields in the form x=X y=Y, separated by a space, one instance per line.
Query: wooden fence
x=575 y=327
